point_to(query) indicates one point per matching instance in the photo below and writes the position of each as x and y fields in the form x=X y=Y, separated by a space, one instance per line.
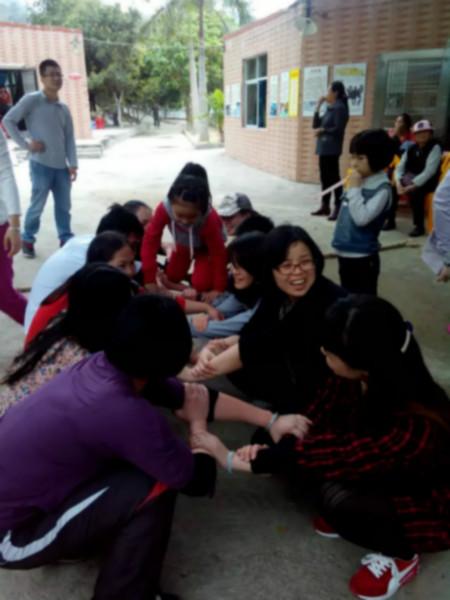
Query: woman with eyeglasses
x=277 y=355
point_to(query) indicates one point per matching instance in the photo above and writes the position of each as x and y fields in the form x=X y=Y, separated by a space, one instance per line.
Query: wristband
x=273 y=418
x=229 y=464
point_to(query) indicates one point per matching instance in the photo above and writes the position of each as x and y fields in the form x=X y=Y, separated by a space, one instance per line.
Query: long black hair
x=97 y=293
x=339 y=89
x=191 y=189
x=195 y=170
x=247 y=252
x=104 y=246
x=369 y=334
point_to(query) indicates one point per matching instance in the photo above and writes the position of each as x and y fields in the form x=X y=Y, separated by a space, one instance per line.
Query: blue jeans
x=44 y=180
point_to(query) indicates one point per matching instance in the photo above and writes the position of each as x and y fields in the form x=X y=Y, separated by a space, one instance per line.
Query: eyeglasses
x=286 y=268
x=54 y=75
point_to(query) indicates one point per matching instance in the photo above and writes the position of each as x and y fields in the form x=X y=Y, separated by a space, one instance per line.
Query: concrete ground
x=254 y=539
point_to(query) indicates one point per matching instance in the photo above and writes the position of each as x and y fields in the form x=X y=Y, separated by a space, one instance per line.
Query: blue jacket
x=349 y=237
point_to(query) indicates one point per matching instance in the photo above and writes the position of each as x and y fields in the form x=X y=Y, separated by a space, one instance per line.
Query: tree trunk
x=195 y=105
x=202 y=81
x=118 y=101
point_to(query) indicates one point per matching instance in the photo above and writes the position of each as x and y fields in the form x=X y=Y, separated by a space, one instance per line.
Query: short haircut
x=377 y=145
x=255 y=222
x=134 y=205
x=151 y=339
x=48 y=62
x=121 y=220
x=191 y=189
x=281 y=238
x=104 y=246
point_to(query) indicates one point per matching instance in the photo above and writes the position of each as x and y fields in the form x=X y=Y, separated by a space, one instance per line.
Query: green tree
x=110 y=36
x=198 y=14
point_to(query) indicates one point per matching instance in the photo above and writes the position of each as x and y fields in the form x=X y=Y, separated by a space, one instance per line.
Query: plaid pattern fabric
x=401 y=457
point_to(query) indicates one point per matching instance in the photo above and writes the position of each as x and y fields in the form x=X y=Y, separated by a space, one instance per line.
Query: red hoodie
x=208 y=234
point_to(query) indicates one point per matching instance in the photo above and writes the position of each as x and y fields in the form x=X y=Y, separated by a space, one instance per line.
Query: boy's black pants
x=417 y=199
x=360 y=275
x=123 y=513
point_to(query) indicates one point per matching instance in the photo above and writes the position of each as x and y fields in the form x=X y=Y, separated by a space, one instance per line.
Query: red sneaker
x=381 y=576
x=323 y=528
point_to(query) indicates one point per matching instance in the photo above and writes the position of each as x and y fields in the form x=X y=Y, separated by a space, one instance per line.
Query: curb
x=201 y=145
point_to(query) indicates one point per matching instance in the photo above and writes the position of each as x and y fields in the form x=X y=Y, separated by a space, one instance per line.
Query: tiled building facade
x=23 y=47
x=374 y=32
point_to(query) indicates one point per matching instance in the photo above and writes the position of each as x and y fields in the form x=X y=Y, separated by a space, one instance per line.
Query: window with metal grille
x=255 y=91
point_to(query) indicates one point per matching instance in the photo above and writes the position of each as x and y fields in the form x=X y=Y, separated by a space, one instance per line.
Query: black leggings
x=364 y=517
x=329 y=175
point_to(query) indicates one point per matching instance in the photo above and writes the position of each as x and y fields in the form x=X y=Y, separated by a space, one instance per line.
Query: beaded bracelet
x=273 y=418
x=230 y=457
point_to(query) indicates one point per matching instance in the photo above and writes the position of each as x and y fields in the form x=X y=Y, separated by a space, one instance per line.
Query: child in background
x=418 y=172
x=197 y=234
x=364 y=209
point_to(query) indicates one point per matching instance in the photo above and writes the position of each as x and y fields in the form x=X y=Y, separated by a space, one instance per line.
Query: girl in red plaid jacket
x=378 y=450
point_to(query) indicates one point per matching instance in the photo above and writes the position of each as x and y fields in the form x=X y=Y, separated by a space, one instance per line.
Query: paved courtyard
x=254 y=539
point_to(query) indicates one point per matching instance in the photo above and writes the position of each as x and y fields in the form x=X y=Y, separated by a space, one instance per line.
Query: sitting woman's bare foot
x=196 y=407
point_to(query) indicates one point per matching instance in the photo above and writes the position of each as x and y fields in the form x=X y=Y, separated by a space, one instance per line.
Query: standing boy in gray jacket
x=53 y=158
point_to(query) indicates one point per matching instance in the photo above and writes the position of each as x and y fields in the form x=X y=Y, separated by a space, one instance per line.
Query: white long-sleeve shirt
x=9 y=194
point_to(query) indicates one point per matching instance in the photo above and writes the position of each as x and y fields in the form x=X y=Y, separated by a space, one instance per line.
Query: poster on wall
x=273 y=106
x=353 y=76
x=284 y=94
x=294 y=84
x=315 y=85
x=228 y=100
x=236 y=100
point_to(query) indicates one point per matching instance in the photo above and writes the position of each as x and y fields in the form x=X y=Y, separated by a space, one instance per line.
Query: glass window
x=255 y=90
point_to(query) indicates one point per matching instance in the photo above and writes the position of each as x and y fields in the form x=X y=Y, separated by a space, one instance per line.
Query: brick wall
x=28 y=45
x=275 y=148
x=358 y=31
x=349 y=31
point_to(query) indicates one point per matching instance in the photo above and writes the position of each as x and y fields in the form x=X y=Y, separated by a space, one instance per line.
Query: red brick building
x=394 y=54
x=23 y=47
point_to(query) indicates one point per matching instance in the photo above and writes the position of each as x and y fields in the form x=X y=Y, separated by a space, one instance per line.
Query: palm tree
x=176 y=10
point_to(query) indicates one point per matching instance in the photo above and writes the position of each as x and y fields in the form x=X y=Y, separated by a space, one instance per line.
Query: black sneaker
x=417 y=232
x=28 y=249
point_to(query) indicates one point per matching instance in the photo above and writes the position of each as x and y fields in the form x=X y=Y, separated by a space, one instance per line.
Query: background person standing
x=11 y=302
x=330 y=129
x=53 y=159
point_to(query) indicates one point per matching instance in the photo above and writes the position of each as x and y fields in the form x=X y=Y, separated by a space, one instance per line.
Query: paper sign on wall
x=353 y=76
x=236 y=100
x=294 y=82
x=273 y=106
x=315 y=85
x=284 y=94
x=228 y=100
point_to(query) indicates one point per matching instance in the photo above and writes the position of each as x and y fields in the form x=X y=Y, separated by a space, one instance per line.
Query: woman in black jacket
x=330 y=129
x=277 y=356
